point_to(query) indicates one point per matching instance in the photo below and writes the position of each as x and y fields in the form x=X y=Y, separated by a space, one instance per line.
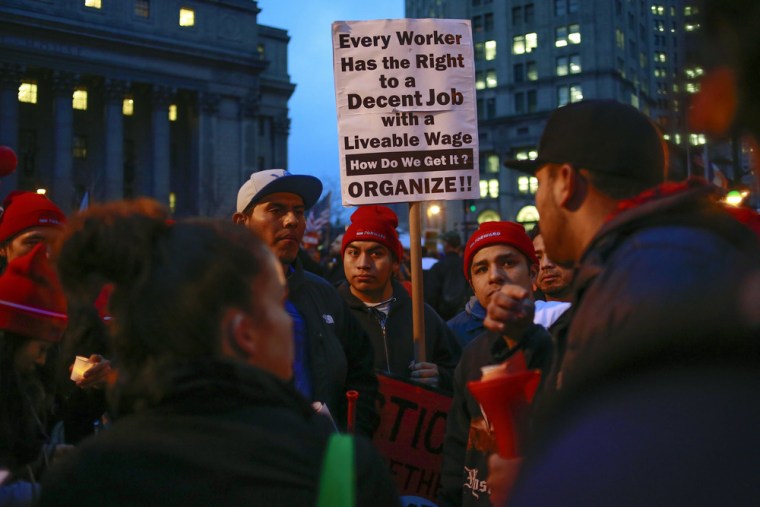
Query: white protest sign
x=407 y=122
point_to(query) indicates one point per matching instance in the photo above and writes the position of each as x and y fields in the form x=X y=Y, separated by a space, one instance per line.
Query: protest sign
x=407 y=123
x=410 y=437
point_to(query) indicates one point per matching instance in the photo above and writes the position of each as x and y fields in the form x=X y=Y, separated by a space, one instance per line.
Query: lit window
x=172 y=112
x=491 y=79
x=522 y=44
x=692 y=87
x=575 y=64
x=697 y=139
x=490 y=50
x=95 y=4
x=172 y=202
x=620 y=39
x=574 y=34
x=492 y=164
x=562 y=66
x=186 y=17
x=27 y=92
x=79 y=99
x=576 y=93
x=483 y=188
x=560 y=36
x=659 y=56
x=527 y=184
x=260 y=49
x=493 y=188
x=691 y=27
x=79 y=147
x=142 y=8
x=480 y=80
x=531 y=71
x=128 y=106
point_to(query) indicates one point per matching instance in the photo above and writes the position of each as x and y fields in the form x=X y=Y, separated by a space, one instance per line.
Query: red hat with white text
x=23 y=210
x=374 y=223
x=498 y=233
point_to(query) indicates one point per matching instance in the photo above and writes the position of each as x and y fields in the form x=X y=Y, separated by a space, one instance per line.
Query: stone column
x=160 y=99
x=281 y=128
x=208 y=196
x=113 y=172
x=62 y=191
x=10 y=78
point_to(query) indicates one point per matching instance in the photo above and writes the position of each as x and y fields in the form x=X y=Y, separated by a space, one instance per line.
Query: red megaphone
x=505 y=400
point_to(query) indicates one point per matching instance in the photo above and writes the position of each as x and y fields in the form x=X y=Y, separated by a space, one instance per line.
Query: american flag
x=319 y=216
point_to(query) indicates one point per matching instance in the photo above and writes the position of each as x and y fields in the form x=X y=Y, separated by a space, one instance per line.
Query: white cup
x=81 y=365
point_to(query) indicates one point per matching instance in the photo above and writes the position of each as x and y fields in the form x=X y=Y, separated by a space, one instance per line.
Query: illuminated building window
x=568 y=94
x=172 y=112
x=576 y=93
x=491 y=78
x=488 y=215
x=659 y=56
x=142 y=8
x=79 y=99
x=527 y=184
x=186 y=17
x=483 y=188
x=692 y=87
x=492 y=164
x=489 y=188
x=260 y=50
x=94 y=4
x=697 y=139
x=531 y=71
x=526 y=154
x=172 y=202
x=480 y=80
x=574 y=34
x=27 y=92
x=575 y=64
x=620 y=38
x=79 y=147
x=564 y=35
x=128 y=106
x=562 y=66
x=527 y=215
x=490 y=50
x=522 y=44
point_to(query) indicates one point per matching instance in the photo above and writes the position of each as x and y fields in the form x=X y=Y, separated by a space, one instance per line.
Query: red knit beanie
x=32 y=303
x=498 y=233
x=22 y=210
x=374 y=223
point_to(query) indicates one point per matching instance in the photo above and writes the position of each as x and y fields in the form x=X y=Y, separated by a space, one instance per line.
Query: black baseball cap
x=601 y=136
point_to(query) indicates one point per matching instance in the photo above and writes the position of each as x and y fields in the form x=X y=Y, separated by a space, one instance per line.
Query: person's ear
x=713 y=108
x=239 y=218
x=238 y=339
x=566 y=185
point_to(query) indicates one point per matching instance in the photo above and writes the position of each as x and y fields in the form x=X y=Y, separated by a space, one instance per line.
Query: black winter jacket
x=393 y=346
x=225 y=434
x=340 y=353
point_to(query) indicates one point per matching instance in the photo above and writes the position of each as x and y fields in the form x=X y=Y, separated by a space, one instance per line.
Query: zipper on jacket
x=381 y=319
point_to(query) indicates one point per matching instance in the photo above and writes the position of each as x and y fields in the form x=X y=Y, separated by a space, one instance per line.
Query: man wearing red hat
x=499 y=256
x=27 y=219
x=32 y=319
x=371 y=254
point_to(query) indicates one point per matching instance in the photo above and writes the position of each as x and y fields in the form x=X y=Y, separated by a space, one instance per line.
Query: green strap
x=337 y=484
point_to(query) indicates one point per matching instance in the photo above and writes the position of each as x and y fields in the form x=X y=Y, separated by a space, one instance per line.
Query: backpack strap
x=337 y=482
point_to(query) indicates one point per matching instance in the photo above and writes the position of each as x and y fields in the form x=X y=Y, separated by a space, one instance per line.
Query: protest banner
x=410 y=438
x=407 y=122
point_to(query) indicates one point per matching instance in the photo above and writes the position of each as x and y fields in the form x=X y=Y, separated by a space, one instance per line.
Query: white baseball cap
x=271 y=181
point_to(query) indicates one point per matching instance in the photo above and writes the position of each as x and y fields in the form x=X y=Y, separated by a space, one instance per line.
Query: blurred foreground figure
x=654 y=403
x=203 y=348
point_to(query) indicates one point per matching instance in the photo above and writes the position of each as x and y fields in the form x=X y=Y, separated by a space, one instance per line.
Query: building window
x=490 y=108
x=489 y=188
x=516 y=15
x=480 y=80
x=186 y=17
x=660 y=56
x=532 y=101
x=479 y=50
x=94 y=4
x=575 y=64
x=518 y=72
x=142 y=8
x=565 y=35
x=27 y=92
x=522 y=44
x=574 y=34
x=492 y=164
x=79 y=99
x=568 y=94
x=562 y=66
x=79 y=147
x=491 y=81
x=530 y=13
x=488 y=22
x=490 y=50
x=560 y=7
x=527 y=184
x=477 y=24
x=172 y=112
x=128 y=106
x=519 y=103
x=531 y=71
x=525 y=154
